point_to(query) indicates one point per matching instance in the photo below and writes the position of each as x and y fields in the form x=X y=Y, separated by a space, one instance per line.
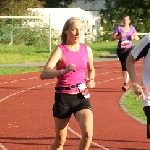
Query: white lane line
x=110 y=64
x=48 y=84
x=112 y=67
x=71 y=130
x=3 y=147
x=18 y=80
x=109 y=80
x=78 y=135
x=22 y=91
x=107 y=64
x=107 y=73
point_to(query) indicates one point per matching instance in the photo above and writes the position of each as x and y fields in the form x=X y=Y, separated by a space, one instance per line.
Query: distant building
x=92 y=24
x=58 y=16
x=88 y=12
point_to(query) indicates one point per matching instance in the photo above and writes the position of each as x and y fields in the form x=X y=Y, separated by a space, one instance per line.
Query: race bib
x=83 y=87
x=125 y=44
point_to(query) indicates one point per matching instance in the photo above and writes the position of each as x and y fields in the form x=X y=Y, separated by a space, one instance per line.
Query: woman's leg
x=124 y=70
x=125 y=76
x=61 y=133
x=85 y=119
x=122 y=58
x=147 y=114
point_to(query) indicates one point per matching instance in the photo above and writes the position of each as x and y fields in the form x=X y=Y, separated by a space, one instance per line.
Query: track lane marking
x=69 y=128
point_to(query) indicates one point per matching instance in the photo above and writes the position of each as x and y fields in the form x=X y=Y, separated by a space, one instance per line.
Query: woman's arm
x=49 y=72
x=130 y=62
x=91 y=69
x=115 y=36
x=135 y=36
x=138 y=89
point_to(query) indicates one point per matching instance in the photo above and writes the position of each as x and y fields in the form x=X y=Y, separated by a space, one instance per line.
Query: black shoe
x=125 y=87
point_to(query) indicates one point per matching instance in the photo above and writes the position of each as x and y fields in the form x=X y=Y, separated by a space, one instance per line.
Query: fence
x=35 y=27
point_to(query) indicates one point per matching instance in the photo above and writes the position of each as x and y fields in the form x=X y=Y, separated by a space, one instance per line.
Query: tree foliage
x=56 y=3
x=17 y=7
x=60 y=3
x=138 y=10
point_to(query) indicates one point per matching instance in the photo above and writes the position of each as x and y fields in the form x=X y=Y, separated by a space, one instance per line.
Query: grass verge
x=25 y=54
x=17 y=70
x=133 y=107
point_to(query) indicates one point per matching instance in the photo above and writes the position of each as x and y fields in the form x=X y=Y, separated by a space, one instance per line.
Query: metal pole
x=11 y=42
x=49 y=29
x=24 y=17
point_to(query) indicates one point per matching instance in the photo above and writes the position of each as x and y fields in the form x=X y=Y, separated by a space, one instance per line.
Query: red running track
x=26 y=121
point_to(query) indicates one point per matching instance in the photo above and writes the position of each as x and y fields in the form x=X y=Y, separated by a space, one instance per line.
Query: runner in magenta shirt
x=124 y=33
x=69 y=63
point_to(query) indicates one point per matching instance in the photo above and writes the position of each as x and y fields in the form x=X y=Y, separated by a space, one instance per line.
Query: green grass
x=133 y=107
x=24 y=54
x=104 y=47
x=17 y=70
x=23 y=58
x=108 y=47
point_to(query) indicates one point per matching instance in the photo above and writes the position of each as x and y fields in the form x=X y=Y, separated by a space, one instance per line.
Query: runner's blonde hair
x=66 y=26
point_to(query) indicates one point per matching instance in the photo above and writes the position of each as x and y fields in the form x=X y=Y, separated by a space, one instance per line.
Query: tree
x=56 y=3
x=17 y=7
x=60 y=3
x=138 y=11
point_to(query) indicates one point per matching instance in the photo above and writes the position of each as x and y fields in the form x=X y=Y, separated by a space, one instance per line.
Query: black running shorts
x=122 y=55
x=66 y=104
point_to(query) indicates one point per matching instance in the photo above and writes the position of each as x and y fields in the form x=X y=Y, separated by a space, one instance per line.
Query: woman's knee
x=60 y=141
x=61 y=131
x=87 y=135
x=123 y=64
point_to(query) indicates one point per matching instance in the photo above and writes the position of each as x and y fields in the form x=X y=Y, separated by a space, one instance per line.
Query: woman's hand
x=138 y=91
x=132 y=36
x=91 y=83
x=122 y=35
x=70 y=67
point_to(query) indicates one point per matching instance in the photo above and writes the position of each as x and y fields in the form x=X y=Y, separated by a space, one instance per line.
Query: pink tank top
x=78 y=58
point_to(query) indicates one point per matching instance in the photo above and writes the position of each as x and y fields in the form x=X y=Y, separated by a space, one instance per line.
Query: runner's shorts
x=122 y=55
x=66 y=104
